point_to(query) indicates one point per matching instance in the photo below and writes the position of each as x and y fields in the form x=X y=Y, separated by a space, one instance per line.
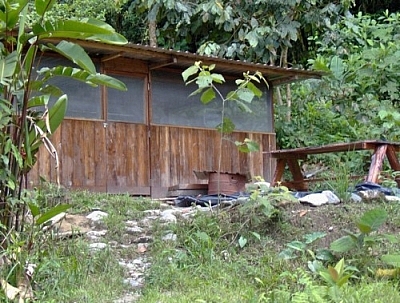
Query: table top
x=335 y=147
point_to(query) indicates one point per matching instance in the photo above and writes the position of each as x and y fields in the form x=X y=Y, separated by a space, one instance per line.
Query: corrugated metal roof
x=158 y=57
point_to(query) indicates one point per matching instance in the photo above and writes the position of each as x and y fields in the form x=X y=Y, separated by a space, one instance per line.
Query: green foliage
x=257 y=31
x=340 y=174
x=206 y=81
x=295 y=249
x=27 y=121
x=369 y=222
x=80 y=9
x=358 y=97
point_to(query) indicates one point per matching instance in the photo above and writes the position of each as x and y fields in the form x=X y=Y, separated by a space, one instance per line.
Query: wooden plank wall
x=80 y=146
x=128 y=159
x=176 y=152
x=118 y=159
x=92 y=157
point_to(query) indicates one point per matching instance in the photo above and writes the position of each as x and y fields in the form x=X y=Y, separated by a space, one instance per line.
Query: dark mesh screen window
x=84 y=101
x=172 y=105
x=127 y=106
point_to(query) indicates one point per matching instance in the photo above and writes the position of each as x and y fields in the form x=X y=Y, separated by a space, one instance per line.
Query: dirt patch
x=74 y=223
x=334 y=219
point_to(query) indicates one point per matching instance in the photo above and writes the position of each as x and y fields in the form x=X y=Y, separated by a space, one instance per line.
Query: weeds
x=208 y=262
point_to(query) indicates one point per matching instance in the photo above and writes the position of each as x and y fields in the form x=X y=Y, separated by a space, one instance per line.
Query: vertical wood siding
x=177 y=152
x=119 y=159
x=113 y=159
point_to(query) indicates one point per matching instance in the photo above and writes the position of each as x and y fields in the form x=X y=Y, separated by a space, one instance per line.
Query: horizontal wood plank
x=299 y=153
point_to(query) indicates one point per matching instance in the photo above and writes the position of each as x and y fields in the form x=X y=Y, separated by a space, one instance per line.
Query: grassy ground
x=207 y=264
x=227 y=256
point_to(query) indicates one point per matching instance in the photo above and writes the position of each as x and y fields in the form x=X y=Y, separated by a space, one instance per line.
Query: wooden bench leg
x=280 y=168
x=393 y=161
x=376 y=163
x=392 y=157
x=297 y=174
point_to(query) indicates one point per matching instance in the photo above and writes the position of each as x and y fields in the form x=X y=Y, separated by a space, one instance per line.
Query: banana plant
x=27 y=120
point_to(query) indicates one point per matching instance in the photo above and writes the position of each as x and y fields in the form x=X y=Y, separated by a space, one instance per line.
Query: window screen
x=172 y=105
x=127 y=106
x=84 y=101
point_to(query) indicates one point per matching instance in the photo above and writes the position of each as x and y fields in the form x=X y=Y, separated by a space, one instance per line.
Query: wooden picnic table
x=291 y=157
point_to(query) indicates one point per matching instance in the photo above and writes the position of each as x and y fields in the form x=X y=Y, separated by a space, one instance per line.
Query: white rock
x=168 y=218
x=96 y=215
x=97 y=246
x=93 y=234
x=131 y=223
x=133 y=282
x=152 y=212
x=355 y=198
x=169 y=237
x=392 y=198
x=133 y=229
x=316 y=199
x=332 y=198
x=171 y=211
x=371 y=194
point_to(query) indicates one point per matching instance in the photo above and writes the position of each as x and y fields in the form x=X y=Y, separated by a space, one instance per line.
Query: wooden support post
x=280 y=168
x=376 y=163
x=392 y=157
x=297 y=174
x=393 y=161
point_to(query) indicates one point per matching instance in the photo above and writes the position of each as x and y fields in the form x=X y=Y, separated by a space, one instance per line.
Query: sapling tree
x=243 y=95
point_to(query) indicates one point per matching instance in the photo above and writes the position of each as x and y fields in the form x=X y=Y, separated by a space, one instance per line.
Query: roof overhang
x=160 y=57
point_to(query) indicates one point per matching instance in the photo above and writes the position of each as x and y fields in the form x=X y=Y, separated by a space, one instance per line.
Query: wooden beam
x=111 y=57
x=376 y=164
x=163 y=64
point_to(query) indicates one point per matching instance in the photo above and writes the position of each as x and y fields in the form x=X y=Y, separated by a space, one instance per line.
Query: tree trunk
x=288 y=89
x=152 y=33
x=277 y=89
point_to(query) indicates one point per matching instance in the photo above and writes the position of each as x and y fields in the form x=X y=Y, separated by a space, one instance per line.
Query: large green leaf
x=11 y=13
x=343 y=244
x=35 y=211
x=254 y=89
x=82 y=75
x=43 y=6
x=52 y=213
x=218 y=78
x=46 y=89
x=245 y=95
x=372 y=220
x=207 y=96
x=57 y=112
x=87 y=29
x=310 y=238
x=38 y=101
x=191 y=70
x=226 y=127
x=393 y=260
x=337 y=67
x=7 y=67
x=75 y=53
x=56 y=116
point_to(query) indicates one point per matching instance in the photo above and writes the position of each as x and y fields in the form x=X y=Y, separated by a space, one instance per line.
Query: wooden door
x=128 y=169
x=127 y=147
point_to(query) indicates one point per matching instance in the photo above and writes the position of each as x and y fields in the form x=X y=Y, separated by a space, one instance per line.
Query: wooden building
x=154 y=135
